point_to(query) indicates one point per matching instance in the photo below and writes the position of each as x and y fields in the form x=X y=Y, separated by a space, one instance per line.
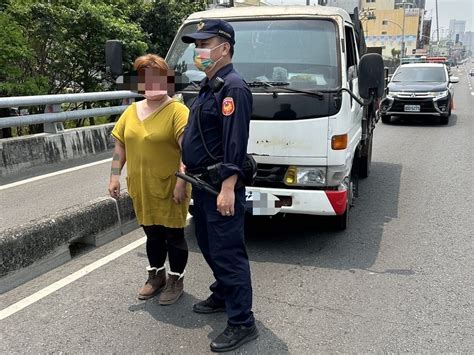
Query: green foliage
x=163 y=18
x=16 y=61
x=58 y=46
x=66 y=39
x=396 y=53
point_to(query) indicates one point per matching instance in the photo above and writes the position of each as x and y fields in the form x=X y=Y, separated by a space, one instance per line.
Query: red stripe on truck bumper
x=338 y=200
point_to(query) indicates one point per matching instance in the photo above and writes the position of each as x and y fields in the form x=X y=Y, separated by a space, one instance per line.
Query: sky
x=447 y=9
x=452 y=9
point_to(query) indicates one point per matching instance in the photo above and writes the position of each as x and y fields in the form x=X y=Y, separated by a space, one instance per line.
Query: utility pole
x=437 y=23
x=403 y=31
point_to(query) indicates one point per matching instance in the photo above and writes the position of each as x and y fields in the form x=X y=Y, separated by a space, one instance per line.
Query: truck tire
x=365 y=160
x=342 y=221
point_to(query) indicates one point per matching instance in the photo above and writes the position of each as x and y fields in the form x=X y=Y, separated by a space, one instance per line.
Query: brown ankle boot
x=173 y=290
x=155 y=283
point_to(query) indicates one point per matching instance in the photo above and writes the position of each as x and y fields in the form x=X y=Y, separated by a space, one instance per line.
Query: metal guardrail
x=53 y=118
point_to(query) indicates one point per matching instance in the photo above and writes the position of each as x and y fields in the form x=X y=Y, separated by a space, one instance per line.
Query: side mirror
x=454 y=79
x=371 y=76
x=113 y=57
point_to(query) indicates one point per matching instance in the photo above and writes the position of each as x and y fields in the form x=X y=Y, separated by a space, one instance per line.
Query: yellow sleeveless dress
x=153 y=156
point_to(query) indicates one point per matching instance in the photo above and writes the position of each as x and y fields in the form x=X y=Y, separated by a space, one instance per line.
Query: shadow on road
x=312 y=241
x=306 y=241
x=422 y=121
x=182 y=316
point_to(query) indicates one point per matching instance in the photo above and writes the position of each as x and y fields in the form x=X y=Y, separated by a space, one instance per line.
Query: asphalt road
x=399 y=280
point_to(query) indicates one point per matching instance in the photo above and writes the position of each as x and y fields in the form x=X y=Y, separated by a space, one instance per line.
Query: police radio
x=216 y=84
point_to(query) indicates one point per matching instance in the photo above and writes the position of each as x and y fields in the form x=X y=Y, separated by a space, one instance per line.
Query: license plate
x=412 y=108
x=261 y=203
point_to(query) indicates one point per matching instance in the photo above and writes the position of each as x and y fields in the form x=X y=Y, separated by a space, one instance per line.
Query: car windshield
x=302 y=53
x=420 y=74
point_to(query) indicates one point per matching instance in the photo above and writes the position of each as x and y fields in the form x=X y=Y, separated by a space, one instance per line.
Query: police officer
x=217 y=132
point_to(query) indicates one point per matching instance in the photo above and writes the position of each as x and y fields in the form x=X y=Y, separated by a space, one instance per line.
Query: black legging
x=162 y=241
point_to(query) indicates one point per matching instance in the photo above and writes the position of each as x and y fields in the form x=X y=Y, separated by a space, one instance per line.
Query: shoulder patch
x=228 y=106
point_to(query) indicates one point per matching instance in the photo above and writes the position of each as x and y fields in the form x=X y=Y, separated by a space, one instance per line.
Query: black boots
x=208 y=306
x=232 y=337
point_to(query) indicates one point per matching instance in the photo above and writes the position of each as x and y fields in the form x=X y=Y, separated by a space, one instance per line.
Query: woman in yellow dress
x=148 y=137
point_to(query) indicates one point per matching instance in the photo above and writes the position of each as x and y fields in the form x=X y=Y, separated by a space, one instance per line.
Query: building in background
x=393 y=25
x=378 y=4
x=424 y=39
x=467 y=39
x=420 y=4
x=456 y=29
x=387 y=23
x=347 y=5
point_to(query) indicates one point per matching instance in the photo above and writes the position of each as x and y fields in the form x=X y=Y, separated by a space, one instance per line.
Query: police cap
x=211 y=28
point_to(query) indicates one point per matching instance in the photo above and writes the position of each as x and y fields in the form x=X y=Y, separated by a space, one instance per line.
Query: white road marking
x=18 y=306
x=472 y=93
x=22 y=182
x=35 y=297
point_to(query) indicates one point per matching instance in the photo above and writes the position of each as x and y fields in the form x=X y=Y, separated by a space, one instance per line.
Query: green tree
x=16 y=62
x=68 y=38
x=162 y=18
x=51 y=47
x=62 y=43
x=396 y=53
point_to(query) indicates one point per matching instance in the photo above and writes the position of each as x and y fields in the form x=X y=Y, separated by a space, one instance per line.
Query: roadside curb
x=40 y=245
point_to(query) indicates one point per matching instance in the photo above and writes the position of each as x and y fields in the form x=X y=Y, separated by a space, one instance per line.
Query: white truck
x=315 y=102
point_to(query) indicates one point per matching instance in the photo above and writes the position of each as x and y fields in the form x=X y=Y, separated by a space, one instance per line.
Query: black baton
x=198 y=183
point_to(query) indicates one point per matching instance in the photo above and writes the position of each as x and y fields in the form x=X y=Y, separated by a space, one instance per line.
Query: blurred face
x=155 y=83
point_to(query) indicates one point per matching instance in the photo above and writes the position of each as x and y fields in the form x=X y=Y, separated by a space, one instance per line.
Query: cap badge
x=200 y=26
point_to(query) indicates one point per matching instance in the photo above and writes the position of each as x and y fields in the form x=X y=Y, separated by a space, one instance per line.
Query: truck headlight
x=315 y=175
x=305 y=176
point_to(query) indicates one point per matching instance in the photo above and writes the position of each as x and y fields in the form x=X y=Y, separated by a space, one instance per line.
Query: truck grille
x=270 y=175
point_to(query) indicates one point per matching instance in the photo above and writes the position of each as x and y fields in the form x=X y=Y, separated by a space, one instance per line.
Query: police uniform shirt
x=225 y=119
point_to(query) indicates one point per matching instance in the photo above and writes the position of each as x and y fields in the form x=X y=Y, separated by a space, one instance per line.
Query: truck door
x=352 y=74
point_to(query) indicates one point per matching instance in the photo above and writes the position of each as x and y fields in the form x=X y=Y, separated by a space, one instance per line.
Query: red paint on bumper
x=338 y=200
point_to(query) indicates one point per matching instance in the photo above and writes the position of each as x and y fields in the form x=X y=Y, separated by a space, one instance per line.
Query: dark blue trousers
x=221 y=240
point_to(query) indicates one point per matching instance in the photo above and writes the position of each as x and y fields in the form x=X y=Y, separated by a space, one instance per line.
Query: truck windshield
x=302 y=53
